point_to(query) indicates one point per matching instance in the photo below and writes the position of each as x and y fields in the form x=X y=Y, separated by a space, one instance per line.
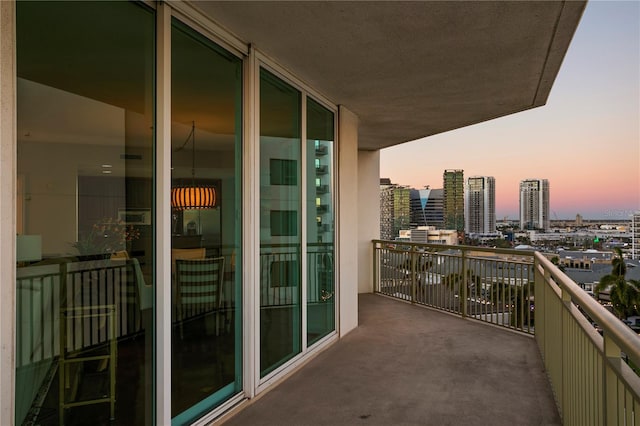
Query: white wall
x=7 y=208
x=369 y=217
x=348 y=223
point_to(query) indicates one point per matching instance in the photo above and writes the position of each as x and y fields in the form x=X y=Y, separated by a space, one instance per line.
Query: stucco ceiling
x=412 y=69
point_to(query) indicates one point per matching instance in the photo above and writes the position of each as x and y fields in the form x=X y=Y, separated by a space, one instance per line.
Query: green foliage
x=556 y=261
x=624 y=294
x=517 y=299
x=107 y=236
x=500 y=243
x=454 y=281
x=423 y=264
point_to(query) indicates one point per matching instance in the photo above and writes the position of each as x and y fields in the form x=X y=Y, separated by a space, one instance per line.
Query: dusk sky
x=585 y=140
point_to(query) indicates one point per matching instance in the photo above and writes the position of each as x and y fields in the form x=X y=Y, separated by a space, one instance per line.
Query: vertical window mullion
x=304 y=276
x=163 y=216
x=251 y=232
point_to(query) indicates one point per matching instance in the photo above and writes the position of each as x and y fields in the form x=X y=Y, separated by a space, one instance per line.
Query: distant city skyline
x=585 y=140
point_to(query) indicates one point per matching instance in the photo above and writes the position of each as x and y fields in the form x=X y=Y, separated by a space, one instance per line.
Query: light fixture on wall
x=193 y=196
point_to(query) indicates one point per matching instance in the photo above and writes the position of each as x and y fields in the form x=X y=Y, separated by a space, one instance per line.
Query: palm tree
x=624 y=294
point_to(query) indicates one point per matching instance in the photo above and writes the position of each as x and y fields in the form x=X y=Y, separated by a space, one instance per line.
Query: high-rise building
x=480 y=205
x=635 y=235
x=395 y=212
x=453 y=187
x=427 y=208
x=386 y=209
x=534 y=204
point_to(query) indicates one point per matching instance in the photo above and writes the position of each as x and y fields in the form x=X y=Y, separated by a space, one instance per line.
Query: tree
x=454 y=280
x=519 y=300
x=556 y=261
x=624 y=294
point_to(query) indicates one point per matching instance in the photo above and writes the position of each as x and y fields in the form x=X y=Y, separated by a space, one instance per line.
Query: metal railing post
x=540 y=316
x=464 y=283
x=567 y=390
x=376 y=269
x=413 y=274
x=610 y=380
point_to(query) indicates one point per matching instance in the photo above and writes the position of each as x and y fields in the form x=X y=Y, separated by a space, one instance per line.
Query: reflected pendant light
x=187 y=197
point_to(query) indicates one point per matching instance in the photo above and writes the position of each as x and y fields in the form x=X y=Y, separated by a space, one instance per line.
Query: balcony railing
x=280 y=267
x=494 y=286
x=592 y=375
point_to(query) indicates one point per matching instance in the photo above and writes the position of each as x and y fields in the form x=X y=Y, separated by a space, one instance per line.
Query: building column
x=7 y=209
x=348 y=219
x=369 y=215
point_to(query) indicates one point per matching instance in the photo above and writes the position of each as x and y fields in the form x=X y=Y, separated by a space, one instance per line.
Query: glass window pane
x=85 y=247
x=280 y=219
x=206 y=143
x=320 y=232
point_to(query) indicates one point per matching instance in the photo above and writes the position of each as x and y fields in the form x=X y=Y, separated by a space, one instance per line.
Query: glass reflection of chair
x=71 y=366
x=186 y=253
x=198 y=289
x=89 y=331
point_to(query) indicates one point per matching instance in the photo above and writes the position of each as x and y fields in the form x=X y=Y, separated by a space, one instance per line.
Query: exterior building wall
x=368 y=224
x=480 y=205
x=395 y=210
x=416 y=197
x=434 y=209
x=453 y=186
x=635 y=235
x=386 y=211
x=348 y=252
x=534 y=204
x=401 y=209
x=427 y=208
x=7 y=209
x=431 y=235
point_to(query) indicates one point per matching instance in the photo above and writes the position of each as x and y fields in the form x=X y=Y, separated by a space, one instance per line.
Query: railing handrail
x=294 y=245
x=523 y=253
x=612 y=327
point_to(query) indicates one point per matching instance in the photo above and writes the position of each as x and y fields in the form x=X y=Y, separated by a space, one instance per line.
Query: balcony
x=322 y=189
x=540 y=362
x=321 y=170
x=322 y=208
x=409 y=365
x=321 y=150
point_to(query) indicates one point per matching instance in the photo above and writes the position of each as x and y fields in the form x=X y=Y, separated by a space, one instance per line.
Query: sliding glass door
x=206 y=170
x=88 y=166
x=320 y=223
x=280 y=222
x=85 y=223
x=287 y=267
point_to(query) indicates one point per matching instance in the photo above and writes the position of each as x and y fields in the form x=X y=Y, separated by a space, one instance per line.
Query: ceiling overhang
x=412 y=69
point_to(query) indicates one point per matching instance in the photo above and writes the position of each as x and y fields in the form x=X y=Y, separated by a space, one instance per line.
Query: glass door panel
x=280 y=222
x=320 y=223
x=206 y=145
x=85 y=271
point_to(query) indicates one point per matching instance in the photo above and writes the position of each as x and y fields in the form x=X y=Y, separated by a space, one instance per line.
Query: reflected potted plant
x=106 y=237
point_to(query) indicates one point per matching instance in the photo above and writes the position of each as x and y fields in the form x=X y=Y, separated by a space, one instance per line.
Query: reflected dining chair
x=198 y=289
x=188 y=253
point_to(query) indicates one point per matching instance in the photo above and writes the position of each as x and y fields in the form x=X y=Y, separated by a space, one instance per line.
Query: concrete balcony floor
x=407 y=365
